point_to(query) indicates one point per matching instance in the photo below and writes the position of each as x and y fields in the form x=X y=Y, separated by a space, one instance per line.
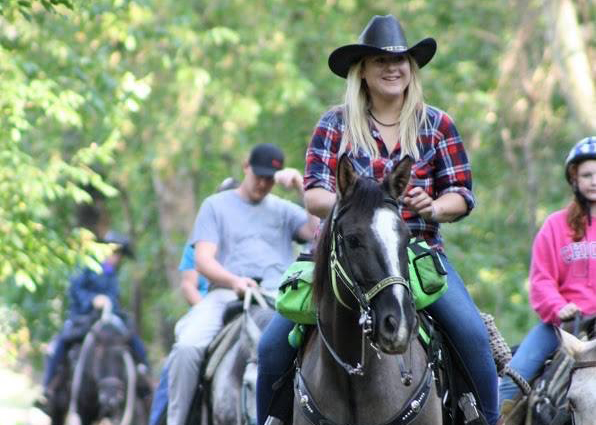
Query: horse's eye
x=353 y=241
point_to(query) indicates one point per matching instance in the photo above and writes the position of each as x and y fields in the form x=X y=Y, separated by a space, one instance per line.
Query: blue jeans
x=160 y=398
x=455 y=311
x=274 y=357
x=529 y=358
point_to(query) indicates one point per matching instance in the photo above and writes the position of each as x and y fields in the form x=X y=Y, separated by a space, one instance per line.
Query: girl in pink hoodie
x=563 y=268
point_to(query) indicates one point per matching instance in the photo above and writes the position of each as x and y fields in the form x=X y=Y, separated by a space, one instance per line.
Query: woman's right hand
x=568 y=311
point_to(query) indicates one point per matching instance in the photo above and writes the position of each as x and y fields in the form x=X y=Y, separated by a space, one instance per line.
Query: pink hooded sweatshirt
x=562 y=271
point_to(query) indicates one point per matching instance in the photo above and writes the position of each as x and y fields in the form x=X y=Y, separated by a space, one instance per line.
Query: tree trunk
x=570 y=54
x=176 y=206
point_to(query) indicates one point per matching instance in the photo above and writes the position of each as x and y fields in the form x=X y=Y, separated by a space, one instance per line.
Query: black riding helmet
x=584 y=149
x=123 y=242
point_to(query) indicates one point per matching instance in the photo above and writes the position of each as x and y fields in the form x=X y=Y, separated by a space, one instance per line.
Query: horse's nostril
x=391 y=324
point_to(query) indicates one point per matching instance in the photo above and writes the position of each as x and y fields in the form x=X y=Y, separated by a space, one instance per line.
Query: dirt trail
x=17 y=393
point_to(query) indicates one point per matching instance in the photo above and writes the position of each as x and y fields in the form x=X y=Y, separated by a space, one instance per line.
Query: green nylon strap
x=423 y=334
x=388 y=281
x=336 y=269
x=416 y=248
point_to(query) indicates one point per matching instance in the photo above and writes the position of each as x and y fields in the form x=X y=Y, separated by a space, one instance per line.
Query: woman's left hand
x=568 y=311
x=419 y=201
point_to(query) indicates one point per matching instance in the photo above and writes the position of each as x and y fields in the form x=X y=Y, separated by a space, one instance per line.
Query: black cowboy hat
x=382 y=35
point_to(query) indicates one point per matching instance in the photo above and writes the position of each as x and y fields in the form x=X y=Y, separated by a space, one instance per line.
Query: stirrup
x=467 y=404
x=513 y=412
x=272 y=420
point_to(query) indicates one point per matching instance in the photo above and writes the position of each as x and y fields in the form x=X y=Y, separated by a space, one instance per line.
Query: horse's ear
x=345 y=177
x=569 y=342
x=397 y=180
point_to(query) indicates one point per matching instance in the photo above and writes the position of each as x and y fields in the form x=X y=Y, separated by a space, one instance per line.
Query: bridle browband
x=583 y=365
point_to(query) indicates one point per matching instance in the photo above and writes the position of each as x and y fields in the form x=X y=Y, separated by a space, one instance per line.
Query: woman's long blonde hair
x=356 y=106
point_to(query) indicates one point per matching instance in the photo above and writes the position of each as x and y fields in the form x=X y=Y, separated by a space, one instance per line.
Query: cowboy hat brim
x=342 y=58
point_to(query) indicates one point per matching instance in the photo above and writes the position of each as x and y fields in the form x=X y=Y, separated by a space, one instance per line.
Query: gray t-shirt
x=253 y=240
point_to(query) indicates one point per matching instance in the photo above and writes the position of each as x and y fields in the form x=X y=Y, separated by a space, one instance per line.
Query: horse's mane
x=367 y=195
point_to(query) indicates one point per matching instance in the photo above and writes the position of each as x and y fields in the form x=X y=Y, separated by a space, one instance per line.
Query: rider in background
x=383 y=119
x=91 y=290
x=562 y=270
x=193 y=287
x=239 y=235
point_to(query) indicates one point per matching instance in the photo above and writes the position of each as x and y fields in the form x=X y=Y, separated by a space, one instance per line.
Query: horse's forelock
x=368 y=196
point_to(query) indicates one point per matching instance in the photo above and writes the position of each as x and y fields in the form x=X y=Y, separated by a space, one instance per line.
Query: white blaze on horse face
x=384 y=227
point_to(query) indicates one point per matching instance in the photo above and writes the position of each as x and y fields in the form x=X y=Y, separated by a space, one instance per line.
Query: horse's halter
x=338 y=272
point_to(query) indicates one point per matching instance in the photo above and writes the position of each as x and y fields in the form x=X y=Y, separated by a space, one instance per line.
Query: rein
x=583 y=365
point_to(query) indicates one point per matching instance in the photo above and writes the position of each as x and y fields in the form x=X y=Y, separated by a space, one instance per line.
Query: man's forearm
x=215 y=272
x=189 y=288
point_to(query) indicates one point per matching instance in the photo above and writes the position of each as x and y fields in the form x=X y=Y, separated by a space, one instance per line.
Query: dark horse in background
x=100 y=383
x=365 y=363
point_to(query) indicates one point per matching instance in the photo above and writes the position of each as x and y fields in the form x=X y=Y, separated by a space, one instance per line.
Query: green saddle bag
x=294 y=300
x=428 y=276
x=428 y=281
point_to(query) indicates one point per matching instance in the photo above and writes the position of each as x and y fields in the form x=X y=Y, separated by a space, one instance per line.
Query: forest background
x=154 y=102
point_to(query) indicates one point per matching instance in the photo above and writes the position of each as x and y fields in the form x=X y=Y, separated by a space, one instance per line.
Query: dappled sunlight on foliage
x=153 y=103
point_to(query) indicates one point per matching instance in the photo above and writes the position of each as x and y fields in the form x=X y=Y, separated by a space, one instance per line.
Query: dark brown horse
x=101 y=383
x=365 y=364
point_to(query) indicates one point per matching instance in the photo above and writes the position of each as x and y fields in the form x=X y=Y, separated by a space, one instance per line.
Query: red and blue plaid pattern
x=443 y=165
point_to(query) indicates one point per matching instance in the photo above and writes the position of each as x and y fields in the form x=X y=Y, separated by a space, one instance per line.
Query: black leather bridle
x=340 y=271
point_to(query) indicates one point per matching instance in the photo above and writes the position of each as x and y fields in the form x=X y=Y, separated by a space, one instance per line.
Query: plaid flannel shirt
x=443 y=166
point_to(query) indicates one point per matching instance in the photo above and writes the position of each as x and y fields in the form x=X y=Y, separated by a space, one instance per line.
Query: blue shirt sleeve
x=188 y=258
x=188 y=263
